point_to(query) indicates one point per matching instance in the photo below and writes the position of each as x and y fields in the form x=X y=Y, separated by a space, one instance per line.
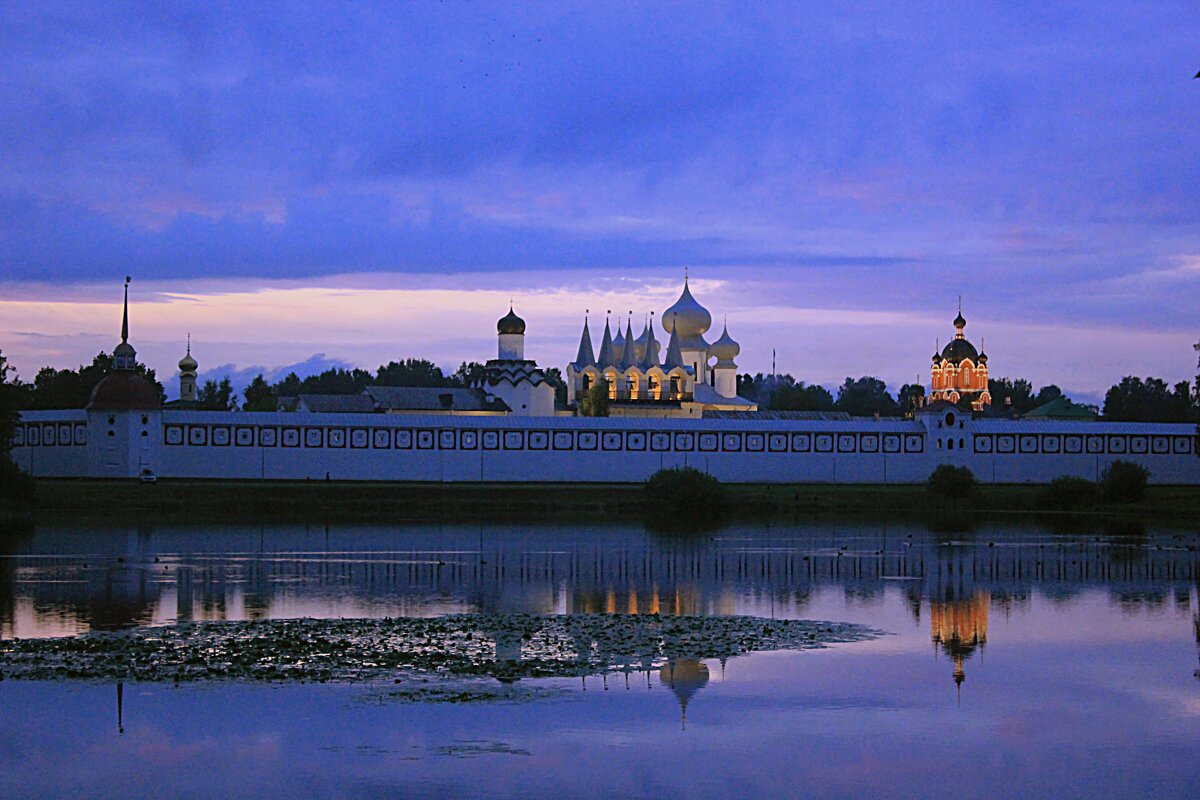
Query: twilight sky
x=325 y=183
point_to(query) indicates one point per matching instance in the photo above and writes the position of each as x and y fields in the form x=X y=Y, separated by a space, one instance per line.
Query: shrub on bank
x=951 y=483
x=1069 y=493
x=685 y=493
x=1124 y=482
x=16 y=487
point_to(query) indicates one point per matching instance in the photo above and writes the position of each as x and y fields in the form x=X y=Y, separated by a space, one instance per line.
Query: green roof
x=1061 y=407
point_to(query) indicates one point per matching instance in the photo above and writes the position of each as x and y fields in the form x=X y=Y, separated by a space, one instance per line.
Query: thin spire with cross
x=125 y=317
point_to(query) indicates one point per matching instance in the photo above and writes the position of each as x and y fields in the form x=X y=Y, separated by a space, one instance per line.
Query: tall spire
x=650 y=356
x=586 y=356
x=629 y=355
x=674 y=354
x=606 y=358
x=125 y=317
x=124 y=356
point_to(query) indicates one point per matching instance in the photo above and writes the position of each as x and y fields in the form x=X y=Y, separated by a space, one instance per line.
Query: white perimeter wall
x=192 y=444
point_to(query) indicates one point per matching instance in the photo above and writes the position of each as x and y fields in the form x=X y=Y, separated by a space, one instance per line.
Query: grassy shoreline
x=216 y=499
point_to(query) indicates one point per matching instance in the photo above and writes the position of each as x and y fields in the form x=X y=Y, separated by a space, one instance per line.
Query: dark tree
x=1149 y=400
x=10 y=408
x=594 y=402
x=68 y=388
x=331 y=381
x=260 y=396
x=795 y=396
x=1046 y=394
x=215 y=396
x=468 y=374
x=911 y=397
x=409 y=372
x=865 y=397
x=748 y=386
x=554 y=378
x=1019 y=391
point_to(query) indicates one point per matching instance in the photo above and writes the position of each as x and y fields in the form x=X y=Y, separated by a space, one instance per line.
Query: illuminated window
x=612 y=390
x=674 y=387
x=631 y=385
x=655 y=389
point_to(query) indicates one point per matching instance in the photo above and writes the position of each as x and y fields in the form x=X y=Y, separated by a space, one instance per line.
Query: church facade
x=644 y=380
x=959 y=371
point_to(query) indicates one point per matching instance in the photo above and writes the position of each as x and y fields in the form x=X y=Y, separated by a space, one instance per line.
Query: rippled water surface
x=1018 y=663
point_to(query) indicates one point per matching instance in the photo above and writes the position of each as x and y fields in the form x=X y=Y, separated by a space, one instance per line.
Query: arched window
x=587 y=382
x=612 y=388
x=674 y=387
x=950 y=443
x=631 y=386
x=655 y=390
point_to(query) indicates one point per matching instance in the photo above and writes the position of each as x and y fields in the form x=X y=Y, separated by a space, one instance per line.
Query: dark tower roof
x=511 y=323
x=125 y=391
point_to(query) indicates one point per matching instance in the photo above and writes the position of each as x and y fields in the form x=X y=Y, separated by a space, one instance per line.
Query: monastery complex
x=668 y=406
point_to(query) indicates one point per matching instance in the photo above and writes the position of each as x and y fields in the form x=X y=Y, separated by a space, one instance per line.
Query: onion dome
x=724 y=349
x=691 y=318
x=511 y=323
x=960 y=322
x=586 y=357
x=685 y=676
x=124 y=390
x=187 y=363
x=959 y=350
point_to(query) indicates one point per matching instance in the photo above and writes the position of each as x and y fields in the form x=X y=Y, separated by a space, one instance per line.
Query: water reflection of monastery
x=959 y=628
x=66 y=580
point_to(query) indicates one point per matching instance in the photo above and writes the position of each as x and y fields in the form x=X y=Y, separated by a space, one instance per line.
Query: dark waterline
x=1020 y=663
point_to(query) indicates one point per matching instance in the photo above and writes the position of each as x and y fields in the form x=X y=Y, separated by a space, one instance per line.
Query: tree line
x=72 y=388
x=1133 y=399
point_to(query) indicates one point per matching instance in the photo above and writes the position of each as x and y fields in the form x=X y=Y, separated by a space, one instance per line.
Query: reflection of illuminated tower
x=685 y=676
x=959 y=627
x=683 y=600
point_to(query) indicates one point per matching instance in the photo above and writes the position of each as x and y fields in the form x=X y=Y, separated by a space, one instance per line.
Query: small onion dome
x=937 y=358
x=187 y=363
x=959 y=322
x=125 y=391
x=724 y=349
x=511 y=323
x=983 y=358
x=692 y=319
x=959 y=350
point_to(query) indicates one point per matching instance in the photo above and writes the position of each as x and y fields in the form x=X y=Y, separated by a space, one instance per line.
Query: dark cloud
x=220 y=139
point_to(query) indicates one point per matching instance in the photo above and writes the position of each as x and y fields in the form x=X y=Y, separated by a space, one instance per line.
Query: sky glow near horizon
x=374 y=184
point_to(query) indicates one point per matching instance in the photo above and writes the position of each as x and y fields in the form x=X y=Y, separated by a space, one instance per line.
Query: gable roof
x=432 y=398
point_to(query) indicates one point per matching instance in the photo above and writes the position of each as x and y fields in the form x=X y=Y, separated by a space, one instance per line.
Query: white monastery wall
x=196 y=444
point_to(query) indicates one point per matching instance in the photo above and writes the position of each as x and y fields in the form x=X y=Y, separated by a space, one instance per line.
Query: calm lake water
x=1018 y=663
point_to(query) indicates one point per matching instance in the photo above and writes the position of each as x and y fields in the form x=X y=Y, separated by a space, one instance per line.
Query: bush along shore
x=669 y=499
x=502 y=646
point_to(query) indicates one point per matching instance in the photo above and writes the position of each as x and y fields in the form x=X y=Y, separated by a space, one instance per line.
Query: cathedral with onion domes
x=643 y=380
x=960 y=372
